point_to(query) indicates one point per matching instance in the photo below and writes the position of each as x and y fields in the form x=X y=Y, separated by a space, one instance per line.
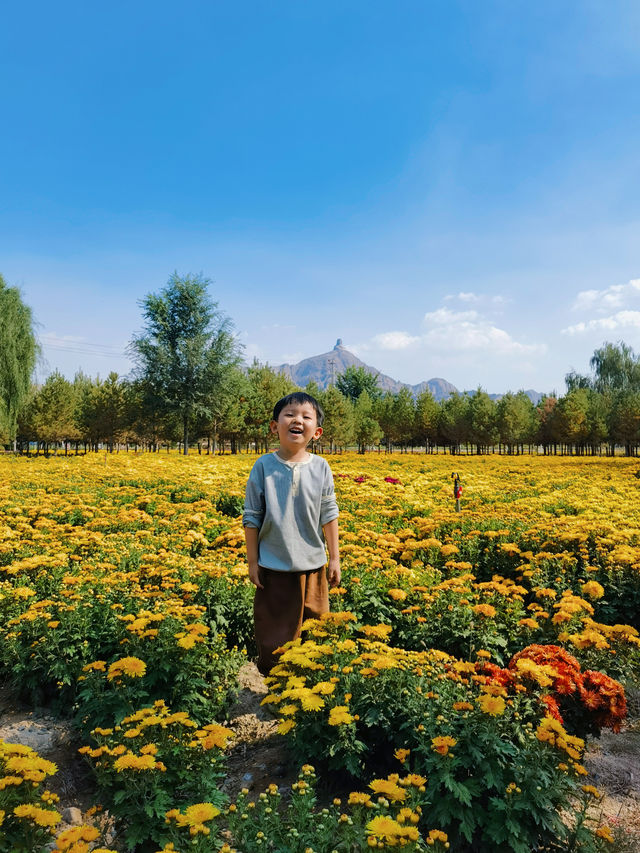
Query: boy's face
x=296 y=426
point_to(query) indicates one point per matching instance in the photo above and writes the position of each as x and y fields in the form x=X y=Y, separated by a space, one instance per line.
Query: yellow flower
x=75 y=839
x=97 y=666
x=389 y=789
x=357 y=798
x=339 y=716
x=604 y=832
x=133 y=667
x=384 y=828
x=129 y=761
x=324 y=688
x=311 y=701
x=493 y=705
x=377 y=632
x=397 y=594
x=592 y=791
x=442 y=744
x=484 y=610
x=198 y=814
x=593 y=589
x=42 y=817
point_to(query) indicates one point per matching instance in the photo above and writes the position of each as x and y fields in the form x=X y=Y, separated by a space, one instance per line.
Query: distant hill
x=324 y=368
x=328 y=365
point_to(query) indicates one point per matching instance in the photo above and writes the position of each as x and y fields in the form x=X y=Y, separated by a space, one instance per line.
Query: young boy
x=290 y=511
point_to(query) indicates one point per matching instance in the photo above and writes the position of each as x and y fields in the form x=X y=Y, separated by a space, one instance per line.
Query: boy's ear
x=317 y=433
x=273 y=426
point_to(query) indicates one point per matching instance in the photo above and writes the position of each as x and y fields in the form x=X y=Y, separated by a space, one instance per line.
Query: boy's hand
x=254 y=575
x=334 y=573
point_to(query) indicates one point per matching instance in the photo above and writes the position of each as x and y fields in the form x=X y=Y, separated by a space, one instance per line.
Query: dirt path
x=613 y=762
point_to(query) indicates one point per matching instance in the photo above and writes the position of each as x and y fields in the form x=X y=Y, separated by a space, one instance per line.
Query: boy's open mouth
x=296 y=430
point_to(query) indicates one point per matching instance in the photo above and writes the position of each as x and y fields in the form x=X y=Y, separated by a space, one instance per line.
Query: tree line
x=190 y=389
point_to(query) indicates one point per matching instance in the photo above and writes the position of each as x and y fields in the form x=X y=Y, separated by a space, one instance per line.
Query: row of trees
x=189 y=387
x=89 y=412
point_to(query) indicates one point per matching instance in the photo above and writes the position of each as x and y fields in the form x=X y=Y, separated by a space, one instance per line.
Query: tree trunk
x=185 y=434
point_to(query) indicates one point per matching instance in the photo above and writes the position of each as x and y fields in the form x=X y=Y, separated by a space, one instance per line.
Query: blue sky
x=452 y=188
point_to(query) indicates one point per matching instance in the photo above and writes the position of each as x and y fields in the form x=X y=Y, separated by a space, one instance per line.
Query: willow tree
x=185 y=349
x=18 y=354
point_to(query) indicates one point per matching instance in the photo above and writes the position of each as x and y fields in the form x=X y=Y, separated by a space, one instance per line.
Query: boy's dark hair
x=299 y=397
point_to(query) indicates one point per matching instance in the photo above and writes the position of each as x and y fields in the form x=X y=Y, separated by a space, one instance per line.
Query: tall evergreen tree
x=427 y=414
x=482 y=417
x=366 y=428
x=338 y=418
x=453 y=423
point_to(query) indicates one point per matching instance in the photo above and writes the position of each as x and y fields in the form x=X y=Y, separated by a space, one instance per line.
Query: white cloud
x=444 y=317
x=602 y=301
x=463 y=296
x=468 y=296
x=615 y=307
x=394 y=340
x=470 y=331
x=454 y=333
x=619 y=320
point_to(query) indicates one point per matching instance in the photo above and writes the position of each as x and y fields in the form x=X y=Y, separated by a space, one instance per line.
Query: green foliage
x=338 y=426
x=18 y=354
x=186 y=348
x=188 y=667
x=26 y=813
x=296 y=824
x=355 y=380
x=231 y=505
x=502 y=774
x=367 y=430
x=152 y=759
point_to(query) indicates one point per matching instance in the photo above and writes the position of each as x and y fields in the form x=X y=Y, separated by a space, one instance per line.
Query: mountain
x=324 y=368
x=328 y=365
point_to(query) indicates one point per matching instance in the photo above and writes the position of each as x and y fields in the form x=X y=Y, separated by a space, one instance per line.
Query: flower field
x=467 y=656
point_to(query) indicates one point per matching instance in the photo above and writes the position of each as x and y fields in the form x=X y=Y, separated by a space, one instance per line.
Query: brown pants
x=280 y=608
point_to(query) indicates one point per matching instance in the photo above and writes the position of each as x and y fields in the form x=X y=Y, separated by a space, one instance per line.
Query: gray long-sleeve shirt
x=289 y=503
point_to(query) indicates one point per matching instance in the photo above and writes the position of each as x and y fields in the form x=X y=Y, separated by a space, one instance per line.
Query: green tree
x=355 y=380
x=615 y=367
x=403 y=415
x=625 y=420
x=426 y=421
x=482 y=421
x=571 y=422
x=266 y=387
x=545 y=433
x=597 y=420
x=382 y=410
x=515 y=420
x=366 y=428
x=55 y=405
x=18 y=354
x=337 y=430
x=102 y=410
x=186 y=348
x=229 y=421
x=453 y=423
